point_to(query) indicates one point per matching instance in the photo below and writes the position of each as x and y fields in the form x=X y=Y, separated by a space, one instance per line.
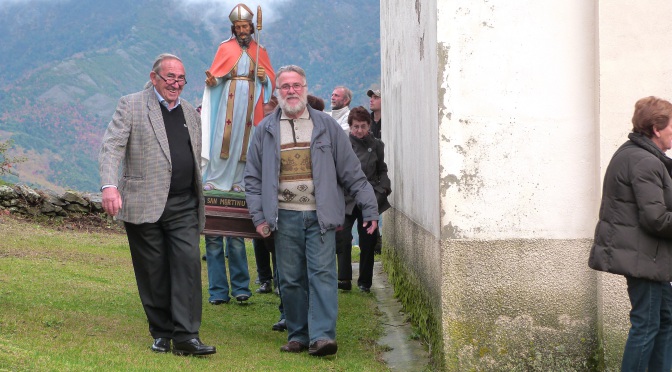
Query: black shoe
x=242 y=298
x=218 y=302
x=364 y=289
x=344 y=285
x=280 y=326
x=161 y=345
x=323 y=348
x=265 y=287
x=193 y=347
x=203 y=258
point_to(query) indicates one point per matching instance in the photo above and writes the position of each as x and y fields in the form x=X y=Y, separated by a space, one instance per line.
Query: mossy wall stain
x=409 y=290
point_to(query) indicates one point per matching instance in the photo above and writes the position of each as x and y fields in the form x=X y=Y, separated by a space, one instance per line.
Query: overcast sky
x=215 y=13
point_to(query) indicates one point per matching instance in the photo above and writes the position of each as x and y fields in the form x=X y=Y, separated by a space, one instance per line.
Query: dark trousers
x=367 y=243
x=649 y=344
x=167 y=264
x=264 y=253
x=262 y=248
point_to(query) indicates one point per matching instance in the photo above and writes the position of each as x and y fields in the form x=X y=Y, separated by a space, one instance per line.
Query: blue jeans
x=240 y=275
x=649 y=342
x=307 y=273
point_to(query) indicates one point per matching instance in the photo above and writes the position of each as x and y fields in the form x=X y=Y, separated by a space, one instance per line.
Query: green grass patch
x=69 y=302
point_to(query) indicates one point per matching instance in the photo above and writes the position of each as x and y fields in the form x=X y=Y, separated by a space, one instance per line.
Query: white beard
x=298 y=108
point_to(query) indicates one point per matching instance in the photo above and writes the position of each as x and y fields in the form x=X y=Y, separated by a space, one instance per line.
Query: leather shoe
x=323 y=348
x=161 y=345
x=242 y=298
x=193 y=347
x=293 y=347
x=218 y=302
x=265 y=287
x=364 y=289
x=344 y=285
x=280 y=326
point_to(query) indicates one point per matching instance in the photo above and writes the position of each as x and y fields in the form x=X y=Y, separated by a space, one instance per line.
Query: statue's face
x=242 y=29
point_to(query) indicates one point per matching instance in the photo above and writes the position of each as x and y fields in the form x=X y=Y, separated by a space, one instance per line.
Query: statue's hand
x=210 y=80
x=261 y=74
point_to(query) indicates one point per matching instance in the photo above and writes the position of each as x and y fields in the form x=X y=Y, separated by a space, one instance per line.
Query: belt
x=242 y=78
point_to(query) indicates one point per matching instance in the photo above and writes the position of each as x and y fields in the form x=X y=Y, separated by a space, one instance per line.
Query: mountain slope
x=60 y=84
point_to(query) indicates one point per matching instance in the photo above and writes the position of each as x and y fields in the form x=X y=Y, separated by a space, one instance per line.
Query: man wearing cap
x=376 y=117
x=233 y=104
x=340 y=106
x=376 y=126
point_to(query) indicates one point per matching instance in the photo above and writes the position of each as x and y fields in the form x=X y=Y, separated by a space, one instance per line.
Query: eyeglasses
x=296 y=86
x=171 y=80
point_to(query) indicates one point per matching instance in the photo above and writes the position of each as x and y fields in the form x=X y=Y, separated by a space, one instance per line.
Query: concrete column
x=634 y=62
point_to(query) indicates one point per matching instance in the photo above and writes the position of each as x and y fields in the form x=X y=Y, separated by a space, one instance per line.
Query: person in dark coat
x=633 y=236
x=371 y=154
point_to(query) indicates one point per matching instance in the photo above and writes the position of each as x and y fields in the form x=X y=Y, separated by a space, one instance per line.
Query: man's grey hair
x=162 y=57
x=290 y=68
x=347 y=92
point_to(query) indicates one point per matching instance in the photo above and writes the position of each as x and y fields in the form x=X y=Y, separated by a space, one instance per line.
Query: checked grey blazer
x=137 y=136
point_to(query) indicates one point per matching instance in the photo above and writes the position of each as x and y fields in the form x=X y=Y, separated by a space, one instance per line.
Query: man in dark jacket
x=375 y=103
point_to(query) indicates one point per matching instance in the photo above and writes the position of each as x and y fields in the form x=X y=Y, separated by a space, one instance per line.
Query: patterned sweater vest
x=296 y=190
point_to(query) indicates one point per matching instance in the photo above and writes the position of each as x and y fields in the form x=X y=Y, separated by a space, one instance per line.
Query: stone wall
x=21 y=199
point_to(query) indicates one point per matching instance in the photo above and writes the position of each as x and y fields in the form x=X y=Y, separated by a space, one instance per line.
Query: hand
x=264 y=230
x=261 y=74
x=373 y=225
x=210 y=80
x=111 y=200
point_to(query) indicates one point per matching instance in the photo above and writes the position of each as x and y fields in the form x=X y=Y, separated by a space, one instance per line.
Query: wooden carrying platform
x=226 y=214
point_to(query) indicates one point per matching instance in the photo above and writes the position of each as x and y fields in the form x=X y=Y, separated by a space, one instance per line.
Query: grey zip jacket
x=335 y=168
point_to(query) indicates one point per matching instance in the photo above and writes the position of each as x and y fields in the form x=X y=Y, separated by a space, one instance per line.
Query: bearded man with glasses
x=299 y=164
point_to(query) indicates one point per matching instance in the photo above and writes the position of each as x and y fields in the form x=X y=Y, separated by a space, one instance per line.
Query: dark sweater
x=181 y=153
x=376 y=126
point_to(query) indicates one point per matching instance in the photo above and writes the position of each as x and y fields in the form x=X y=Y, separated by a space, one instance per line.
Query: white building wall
x=519 y=155
x=500 y=118
x=410 y=127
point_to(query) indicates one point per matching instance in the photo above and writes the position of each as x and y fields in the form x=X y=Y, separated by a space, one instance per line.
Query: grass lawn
x=68 y=302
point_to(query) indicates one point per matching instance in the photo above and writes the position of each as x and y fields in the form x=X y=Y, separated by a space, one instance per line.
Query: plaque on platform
x=226 y=214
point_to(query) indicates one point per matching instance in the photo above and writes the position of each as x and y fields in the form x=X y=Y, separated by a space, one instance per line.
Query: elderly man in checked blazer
x=159 y=198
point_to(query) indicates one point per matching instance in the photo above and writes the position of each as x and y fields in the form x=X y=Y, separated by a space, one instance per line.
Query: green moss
x=514 y=342
x=413 y=297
